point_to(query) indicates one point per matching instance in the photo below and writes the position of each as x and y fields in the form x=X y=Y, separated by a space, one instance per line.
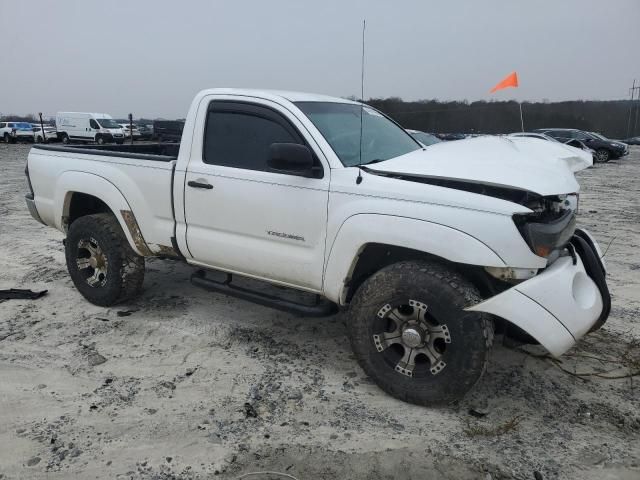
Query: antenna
x=359 y=179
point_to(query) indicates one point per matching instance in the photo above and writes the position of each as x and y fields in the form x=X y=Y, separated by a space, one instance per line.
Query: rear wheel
x=100 y=261
x=602 y=155
x=411 y=335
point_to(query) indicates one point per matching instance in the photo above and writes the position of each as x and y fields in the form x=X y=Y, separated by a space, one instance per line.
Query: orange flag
x=510 y=80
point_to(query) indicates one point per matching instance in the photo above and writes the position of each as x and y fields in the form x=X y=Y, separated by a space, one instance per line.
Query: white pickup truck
x=429 y=250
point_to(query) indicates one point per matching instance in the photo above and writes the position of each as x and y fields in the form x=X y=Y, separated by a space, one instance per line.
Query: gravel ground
x=185 y=384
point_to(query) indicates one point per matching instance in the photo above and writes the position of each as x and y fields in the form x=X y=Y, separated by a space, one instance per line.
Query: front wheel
x=65 y=139
x=7 y=138
x=100 y=261
x=411 y=335
x=99 y=139
x=602 y=155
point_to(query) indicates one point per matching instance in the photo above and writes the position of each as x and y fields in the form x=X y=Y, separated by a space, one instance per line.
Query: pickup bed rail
x=159 y=152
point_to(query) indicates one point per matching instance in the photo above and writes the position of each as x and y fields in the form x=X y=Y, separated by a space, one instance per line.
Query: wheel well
x=375 y=256
x=80 y=205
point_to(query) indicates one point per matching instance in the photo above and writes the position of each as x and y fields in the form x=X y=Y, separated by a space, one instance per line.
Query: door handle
x=193 y=184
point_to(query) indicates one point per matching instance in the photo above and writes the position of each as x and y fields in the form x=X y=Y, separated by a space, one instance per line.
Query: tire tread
x=453 y=279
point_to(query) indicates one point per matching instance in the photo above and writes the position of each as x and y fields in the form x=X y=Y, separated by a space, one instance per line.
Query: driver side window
x=239 y=135
x=93 y=124
x=242 y=140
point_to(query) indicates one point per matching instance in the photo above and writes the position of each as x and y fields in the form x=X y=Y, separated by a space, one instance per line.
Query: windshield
x=108 y=123
x=425 y=138
x=339 y=124
x=23 y=126
x=598 y=136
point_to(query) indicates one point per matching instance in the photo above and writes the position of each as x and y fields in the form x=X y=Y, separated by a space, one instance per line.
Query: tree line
x=611 y=117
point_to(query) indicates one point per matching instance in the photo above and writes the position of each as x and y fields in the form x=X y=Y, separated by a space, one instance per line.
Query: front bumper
x=24 y=136
x=561 y=304
x=620 y=152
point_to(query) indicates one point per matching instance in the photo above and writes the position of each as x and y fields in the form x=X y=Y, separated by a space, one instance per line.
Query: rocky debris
x=250 y=411
x=94 y=359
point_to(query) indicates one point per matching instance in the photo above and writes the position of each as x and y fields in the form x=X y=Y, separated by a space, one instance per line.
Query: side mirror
x=291 y=158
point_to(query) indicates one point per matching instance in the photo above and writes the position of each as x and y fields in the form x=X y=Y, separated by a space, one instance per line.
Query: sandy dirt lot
x=185 y=384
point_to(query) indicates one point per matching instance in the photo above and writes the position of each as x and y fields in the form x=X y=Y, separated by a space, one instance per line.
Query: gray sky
x=151 y=56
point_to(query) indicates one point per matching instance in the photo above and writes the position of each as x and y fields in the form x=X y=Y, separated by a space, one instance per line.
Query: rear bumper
x=561 y=304
x=31 y=205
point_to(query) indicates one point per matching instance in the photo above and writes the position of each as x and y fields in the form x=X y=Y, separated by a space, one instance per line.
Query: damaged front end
x=563 y=302
x=550 y=225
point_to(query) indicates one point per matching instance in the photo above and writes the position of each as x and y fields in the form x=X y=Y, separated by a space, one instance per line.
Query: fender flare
x=359 y=230
x=71 y=182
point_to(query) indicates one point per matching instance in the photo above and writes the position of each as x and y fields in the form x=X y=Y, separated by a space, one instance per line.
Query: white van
x=88 y=127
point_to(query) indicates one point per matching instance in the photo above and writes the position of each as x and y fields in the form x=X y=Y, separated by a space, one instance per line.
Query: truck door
x=243 y=217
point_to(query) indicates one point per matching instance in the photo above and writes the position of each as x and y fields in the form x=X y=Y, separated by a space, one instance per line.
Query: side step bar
x=321 y=308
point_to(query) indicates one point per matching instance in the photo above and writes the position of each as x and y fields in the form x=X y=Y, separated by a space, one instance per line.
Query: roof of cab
x=270 y=94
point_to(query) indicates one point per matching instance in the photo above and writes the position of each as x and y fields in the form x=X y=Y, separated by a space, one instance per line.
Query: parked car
x=450 y=136
x=11 y=132
x=605 y=149
x=424 y=138
x=146 y=132
x=540 y=136
x=88 y=127
x=572 y=143
x=46 y=135
x=168 y=130
x=426 y=249
x=130 y=130
x=631 y=141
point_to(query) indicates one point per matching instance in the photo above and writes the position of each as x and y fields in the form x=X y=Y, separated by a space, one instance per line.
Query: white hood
x=545 y=168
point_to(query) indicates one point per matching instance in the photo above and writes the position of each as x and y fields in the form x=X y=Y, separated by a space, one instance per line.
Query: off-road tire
x=602 y=155
x=125 y=273
x=446 y=294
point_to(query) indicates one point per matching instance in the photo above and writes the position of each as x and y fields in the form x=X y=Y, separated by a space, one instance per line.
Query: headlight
x=543 y=237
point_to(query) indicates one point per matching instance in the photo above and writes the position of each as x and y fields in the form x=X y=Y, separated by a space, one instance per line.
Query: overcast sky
x=151 y=56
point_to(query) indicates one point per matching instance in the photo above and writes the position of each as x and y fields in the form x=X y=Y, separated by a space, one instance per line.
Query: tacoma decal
x=285 y=235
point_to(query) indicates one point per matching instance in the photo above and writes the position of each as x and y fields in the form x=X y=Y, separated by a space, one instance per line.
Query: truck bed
x=129 y=178
x=160 y=152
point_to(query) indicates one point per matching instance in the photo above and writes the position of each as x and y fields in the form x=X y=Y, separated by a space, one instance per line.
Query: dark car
x=424 y=138
x=168 y=130
x=632 y=141
x=605 y=148
x=146 y=133
x=450 y=136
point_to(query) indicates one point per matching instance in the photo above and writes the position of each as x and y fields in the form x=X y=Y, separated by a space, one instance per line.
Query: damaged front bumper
x=562 y=303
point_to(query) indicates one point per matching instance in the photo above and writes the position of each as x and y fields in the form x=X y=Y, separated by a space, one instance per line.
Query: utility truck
x=428 y=251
